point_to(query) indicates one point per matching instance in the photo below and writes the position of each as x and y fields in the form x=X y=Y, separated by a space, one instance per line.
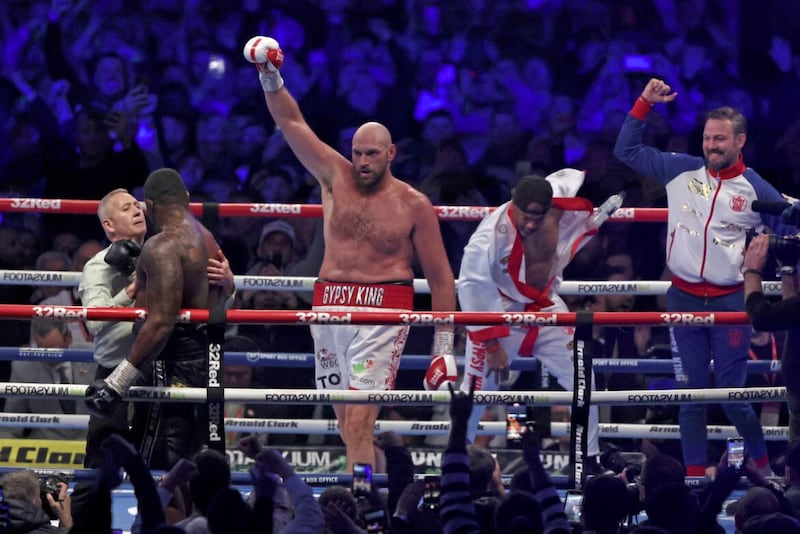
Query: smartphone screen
x=736 y=453
x=362 y=480
x=516 y=423
x=375 y=521
x=432 y=486
x=573 y=505
x=216 y=65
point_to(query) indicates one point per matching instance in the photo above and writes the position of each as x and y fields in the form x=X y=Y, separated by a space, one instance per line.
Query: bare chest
x=540 y=251
x=369 y=225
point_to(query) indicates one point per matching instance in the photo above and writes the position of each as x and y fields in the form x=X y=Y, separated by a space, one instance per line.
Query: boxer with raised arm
x=374 y=224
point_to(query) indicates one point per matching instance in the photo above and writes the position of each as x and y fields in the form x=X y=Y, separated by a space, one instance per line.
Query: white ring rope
x=409 y=397
x=407 y=428
x=442 y=428
x=306 y=283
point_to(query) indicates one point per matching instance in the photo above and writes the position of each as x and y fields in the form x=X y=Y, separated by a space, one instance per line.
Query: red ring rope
x=28 y=311
x=445 y=213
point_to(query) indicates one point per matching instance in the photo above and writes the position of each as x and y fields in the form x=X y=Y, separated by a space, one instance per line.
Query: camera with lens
x=631 y=462
x=786 y=249
x=49 y=486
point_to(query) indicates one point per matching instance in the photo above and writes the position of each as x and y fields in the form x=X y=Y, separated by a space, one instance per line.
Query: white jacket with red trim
x=709 y=213
x=485 y=282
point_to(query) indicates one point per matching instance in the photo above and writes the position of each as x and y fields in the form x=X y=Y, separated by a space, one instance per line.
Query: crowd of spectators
x=95 y=95
x=198 y=495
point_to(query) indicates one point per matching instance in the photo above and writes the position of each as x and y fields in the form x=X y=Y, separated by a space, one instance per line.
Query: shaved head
x=373 y=153
x=373 y=132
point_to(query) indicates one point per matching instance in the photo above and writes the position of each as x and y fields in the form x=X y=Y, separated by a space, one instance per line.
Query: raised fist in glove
x=266 y=53
x=101 y=399
x=442 y=370
x=122 y=255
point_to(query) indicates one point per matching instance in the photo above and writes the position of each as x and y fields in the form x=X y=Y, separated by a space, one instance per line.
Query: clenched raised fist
x=266 y=54
x=261 y=49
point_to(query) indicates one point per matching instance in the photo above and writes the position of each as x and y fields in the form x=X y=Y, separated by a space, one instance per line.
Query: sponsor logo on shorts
x=333 y=379
x=339 y=295
x=359 y=368
x=363 y=380
x=327 y=360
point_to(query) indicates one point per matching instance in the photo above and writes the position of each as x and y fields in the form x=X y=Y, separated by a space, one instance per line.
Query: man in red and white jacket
x=709 y=203
x=513 y=263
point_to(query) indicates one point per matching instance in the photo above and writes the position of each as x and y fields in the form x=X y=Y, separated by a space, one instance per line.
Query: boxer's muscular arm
x=427 y=240
x=321 y=160
x=161 y=269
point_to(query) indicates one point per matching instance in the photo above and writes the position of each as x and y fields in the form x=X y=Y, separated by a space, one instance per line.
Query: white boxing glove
x=266 y=54
x=442 y=370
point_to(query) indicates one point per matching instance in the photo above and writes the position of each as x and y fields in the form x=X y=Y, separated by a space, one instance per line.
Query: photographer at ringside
x=782 y=315
x=24 y=494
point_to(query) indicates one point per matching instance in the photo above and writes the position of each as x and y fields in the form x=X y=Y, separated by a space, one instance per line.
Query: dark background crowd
x=95 y=94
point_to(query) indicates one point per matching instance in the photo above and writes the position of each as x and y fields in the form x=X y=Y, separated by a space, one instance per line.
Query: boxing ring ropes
x=416 y=362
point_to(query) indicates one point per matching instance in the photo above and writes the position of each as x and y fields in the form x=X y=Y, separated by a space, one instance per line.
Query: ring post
x=581 y=397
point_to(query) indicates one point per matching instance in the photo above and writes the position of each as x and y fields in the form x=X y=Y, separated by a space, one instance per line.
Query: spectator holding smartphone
x=457 y=510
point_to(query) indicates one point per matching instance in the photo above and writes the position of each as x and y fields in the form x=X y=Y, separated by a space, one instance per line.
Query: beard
x=371 y=180
x=722 y=163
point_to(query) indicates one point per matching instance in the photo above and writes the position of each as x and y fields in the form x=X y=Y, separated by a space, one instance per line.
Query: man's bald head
x=373 y=132
x=372 y=155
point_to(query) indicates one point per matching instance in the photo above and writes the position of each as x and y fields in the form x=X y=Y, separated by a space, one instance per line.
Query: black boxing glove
x=122 y=255
x=101 y=399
